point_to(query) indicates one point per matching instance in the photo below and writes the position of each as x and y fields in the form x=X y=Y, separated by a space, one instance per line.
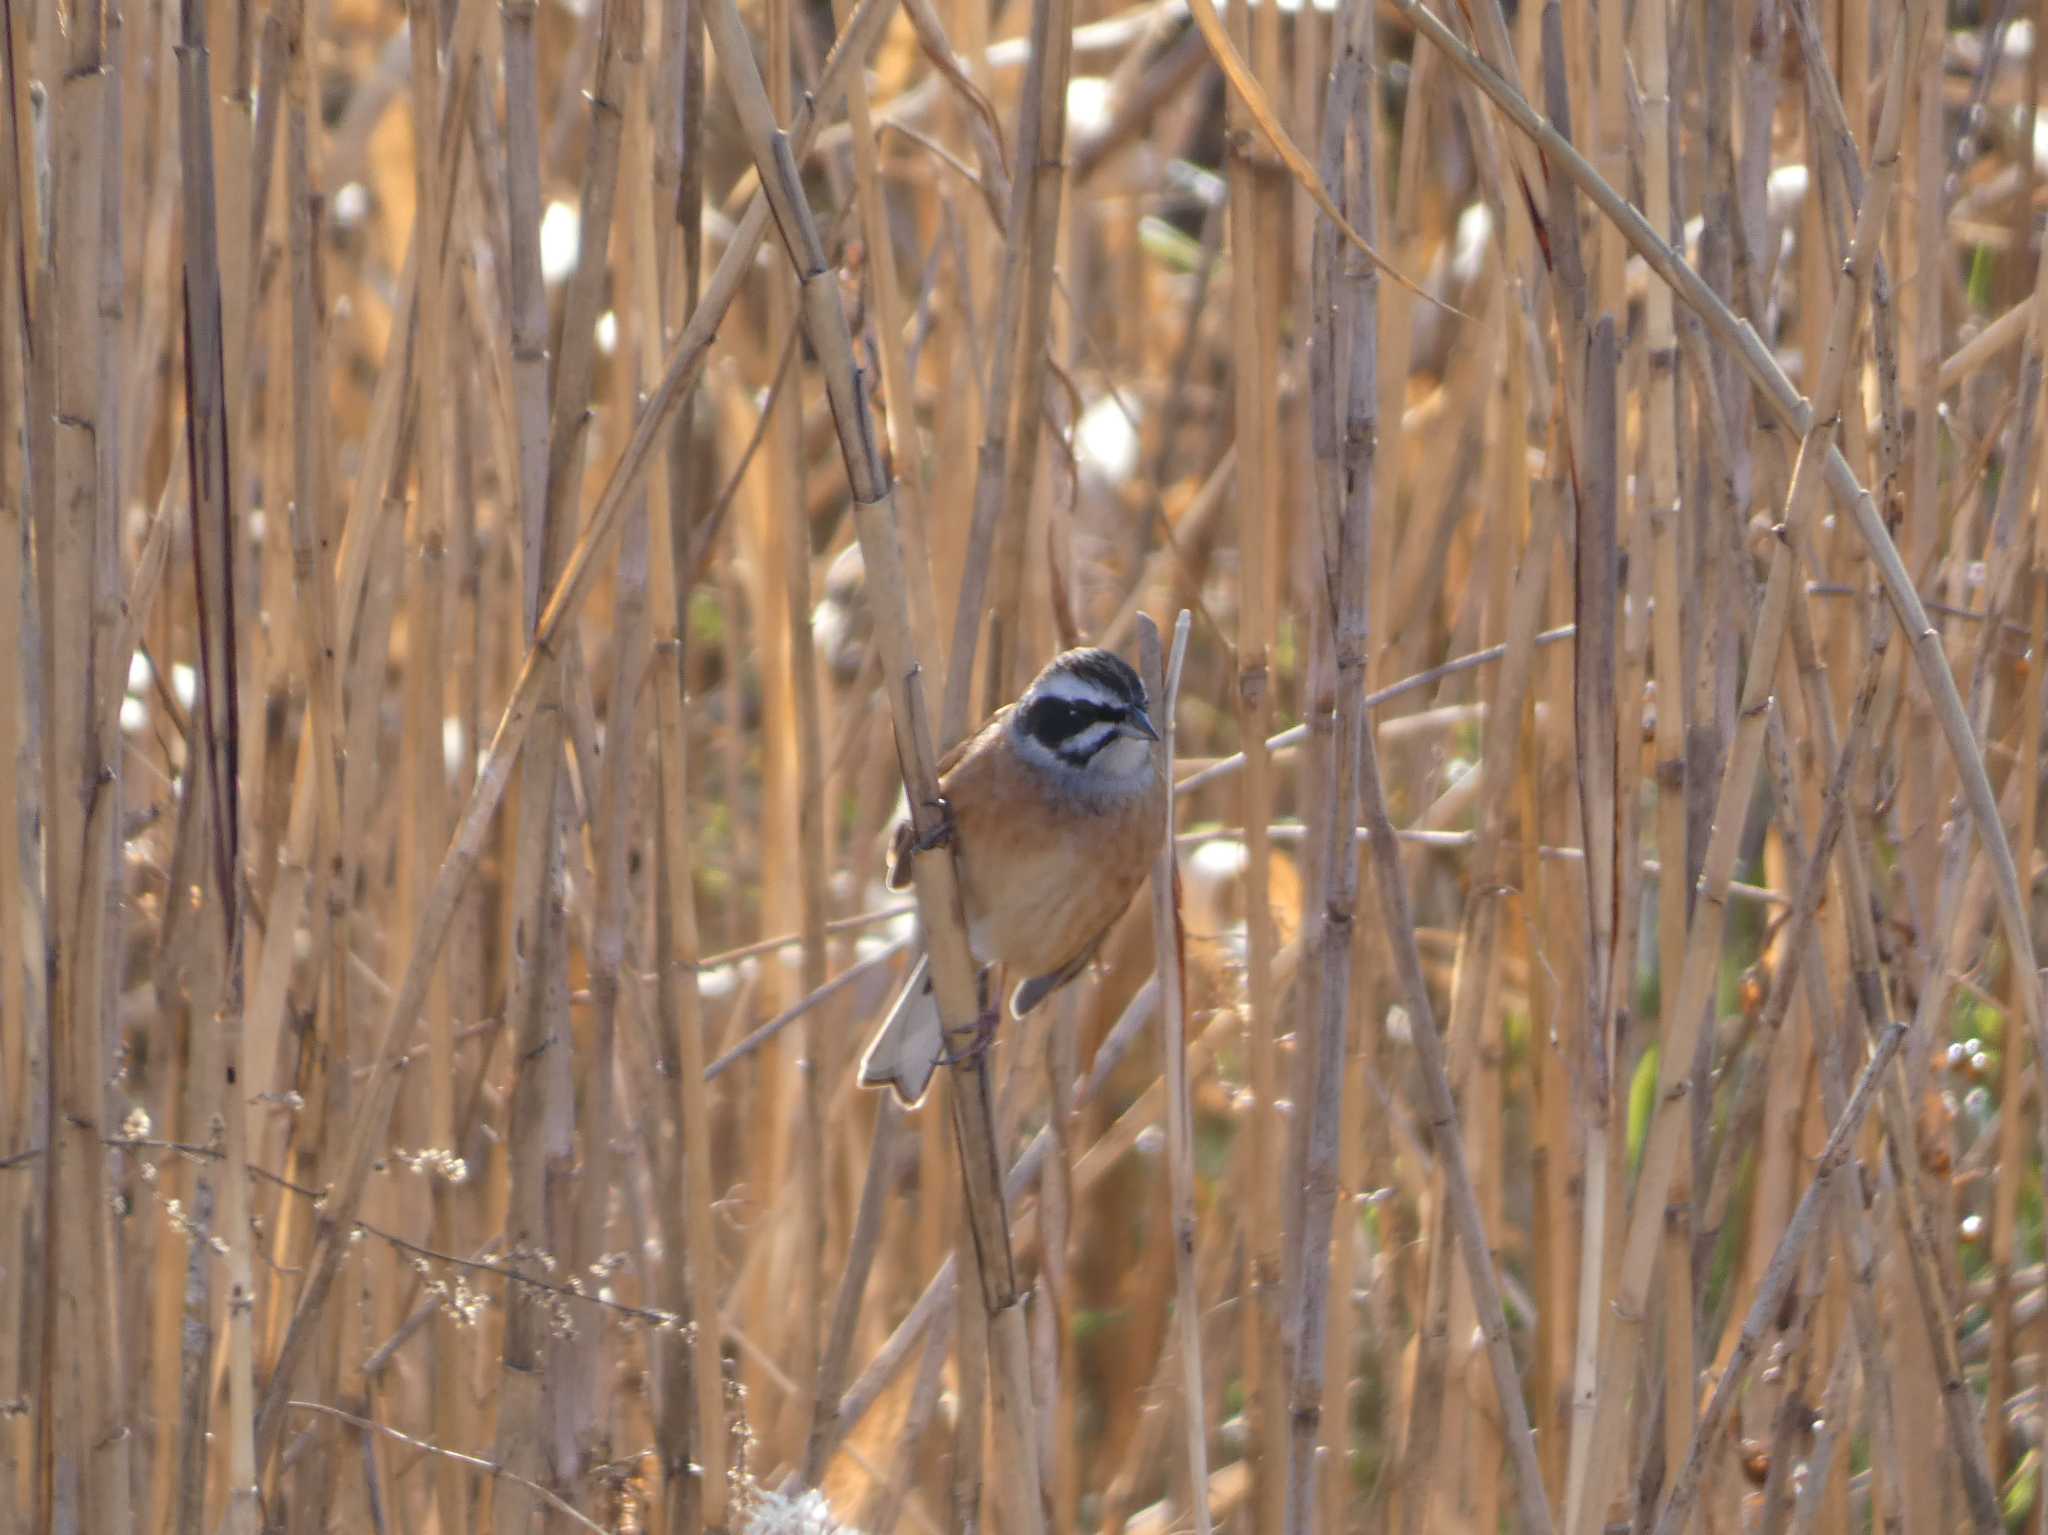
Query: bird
x=1055 y=808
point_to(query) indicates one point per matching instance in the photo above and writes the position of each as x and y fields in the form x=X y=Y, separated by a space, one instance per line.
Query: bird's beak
x=1139 y=726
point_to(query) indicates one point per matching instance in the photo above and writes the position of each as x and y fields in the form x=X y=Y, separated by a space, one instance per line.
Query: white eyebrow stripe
x=1072 y=689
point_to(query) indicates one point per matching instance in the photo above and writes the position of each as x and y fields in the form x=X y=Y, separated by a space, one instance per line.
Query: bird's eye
x=1053 y=720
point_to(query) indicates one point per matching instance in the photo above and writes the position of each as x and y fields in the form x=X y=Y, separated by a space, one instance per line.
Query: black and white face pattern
x=1086 y=713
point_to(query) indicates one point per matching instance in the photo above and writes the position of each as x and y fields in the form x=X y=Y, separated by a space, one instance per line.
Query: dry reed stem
x=1661 y=511
x=693 y=1444
x=215 y=1088
x=1803 y=964
x=1794 y=411
x=82 y=1456
x=465 y=847
x=483 y=1467
x=1254 y=294
x=935 y=1300
x=1904 y=600
x=1169 y=942
x=22 y=1025
x=1010 y=411
x=1784 y=1264
x=1441 y=1109
x=331 y=306
x=1344 y=433
x=937 y=891
x=835 y=1356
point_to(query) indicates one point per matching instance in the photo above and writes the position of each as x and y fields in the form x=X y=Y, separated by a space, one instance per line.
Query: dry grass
x=497 y=501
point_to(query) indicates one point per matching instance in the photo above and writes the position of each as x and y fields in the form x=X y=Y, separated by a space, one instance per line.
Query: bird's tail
x=906 y=1049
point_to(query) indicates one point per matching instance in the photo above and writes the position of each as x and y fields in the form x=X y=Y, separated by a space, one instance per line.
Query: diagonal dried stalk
x=838 y=1348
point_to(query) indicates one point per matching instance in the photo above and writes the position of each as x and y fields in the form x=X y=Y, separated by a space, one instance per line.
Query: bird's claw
x=941 y=834
x=980 y=1034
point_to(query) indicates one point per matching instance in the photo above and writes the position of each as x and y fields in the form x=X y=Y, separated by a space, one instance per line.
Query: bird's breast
x=1043 y=878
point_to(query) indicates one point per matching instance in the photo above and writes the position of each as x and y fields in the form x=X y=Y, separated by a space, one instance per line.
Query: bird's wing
x=958 y=749
x=1034 y=991
x=906 y=835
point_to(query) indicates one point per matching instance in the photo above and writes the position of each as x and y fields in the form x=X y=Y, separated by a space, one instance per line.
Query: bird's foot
x=941 y=833
x=978 y=1036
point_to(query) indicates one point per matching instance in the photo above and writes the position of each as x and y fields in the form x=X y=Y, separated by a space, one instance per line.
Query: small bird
x=1056 y=806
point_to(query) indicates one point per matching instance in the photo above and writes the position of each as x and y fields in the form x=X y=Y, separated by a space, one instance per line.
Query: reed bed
x=502 y=508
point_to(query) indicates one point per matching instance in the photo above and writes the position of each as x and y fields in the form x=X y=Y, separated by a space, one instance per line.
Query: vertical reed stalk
x=1619 y=1350
x=938 y=894
x=1344 y=430
x=1016 y=352
x=413 y=450
x=466 y=846
x=82 y=1449
x=1169 y=942
x=811 y=1228
x=1257 y=419
x=1660 y=517
x=690 y=1428
x=424 y=829
x=23 y=1029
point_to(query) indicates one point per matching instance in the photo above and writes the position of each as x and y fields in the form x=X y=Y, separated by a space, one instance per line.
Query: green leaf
x=1642 y=1098
x=1983 y=267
